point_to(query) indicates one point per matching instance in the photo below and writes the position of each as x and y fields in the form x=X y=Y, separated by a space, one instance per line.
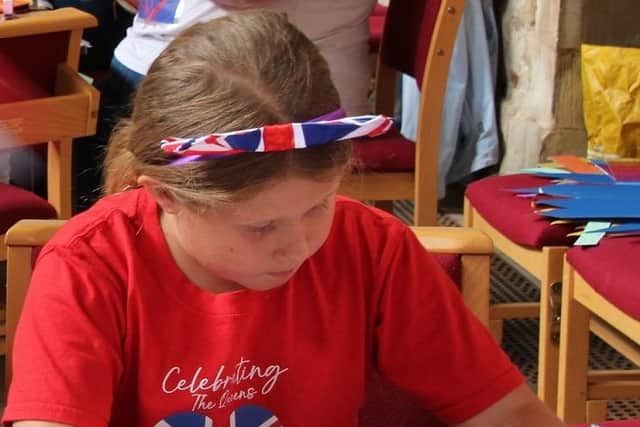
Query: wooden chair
x=600 y=293
x=23 y=240
x=464 y=253
x=418 y=40
x=44 y=99
x=537 y=247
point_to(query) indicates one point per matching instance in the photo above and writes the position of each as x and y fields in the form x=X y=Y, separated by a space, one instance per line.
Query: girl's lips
x=283 y=273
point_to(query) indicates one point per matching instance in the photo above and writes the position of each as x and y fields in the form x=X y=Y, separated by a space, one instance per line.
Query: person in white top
x=338 y=27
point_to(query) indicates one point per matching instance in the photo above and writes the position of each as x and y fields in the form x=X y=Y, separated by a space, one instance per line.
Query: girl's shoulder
x=350 y=212
x=358 y=222
x=108 y=223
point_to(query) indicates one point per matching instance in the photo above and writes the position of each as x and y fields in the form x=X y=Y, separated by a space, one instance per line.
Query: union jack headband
x=280 y=137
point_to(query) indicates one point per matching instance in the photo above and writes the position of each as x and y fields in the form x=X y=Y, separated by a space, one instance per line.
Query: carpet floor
x=520 y=336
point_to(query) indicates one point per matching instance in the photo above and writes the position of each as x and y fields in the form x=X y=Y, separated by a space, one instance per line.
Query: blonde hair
x=241 y=71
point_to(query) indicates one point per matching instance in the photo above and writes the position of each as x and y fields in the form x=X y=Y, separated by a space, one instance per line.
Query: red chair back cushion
x=408 y=30
x=25 y=75
x=17 y=204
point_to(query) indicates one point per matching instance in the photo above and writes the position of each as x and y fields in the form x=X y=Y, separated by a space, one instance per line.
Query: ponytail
x=119 y=163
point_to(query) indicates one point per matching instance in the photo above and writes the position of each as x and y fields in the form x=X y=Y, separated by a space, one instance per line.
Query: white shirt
x=147 y=38
x=338 y=27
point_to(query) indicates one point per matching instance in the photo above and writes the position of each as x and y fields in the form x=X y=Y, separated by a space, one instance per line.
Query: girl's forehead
x=285 y=197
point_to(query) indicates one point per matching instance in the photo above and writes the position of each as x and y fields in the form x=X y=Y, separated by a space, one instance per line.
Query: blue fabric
x=469 y=134
x=125 y=73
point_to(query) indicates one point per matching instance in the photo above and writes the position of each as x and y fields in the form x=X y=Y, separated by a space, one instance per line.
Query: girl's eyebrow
x=271 y=220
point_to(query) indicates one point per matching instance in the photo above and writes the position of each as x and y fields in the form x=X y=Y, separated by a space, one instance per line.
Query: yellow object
x=611 y=93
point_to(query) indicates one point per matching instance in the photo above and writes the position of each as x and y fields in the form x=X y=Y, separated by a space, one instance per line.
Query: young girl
x=223 y=283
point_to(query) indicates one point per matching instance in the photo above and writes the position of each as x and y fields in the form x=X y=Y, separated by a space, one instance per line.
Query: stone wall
x=541 y=112
x=529 y=33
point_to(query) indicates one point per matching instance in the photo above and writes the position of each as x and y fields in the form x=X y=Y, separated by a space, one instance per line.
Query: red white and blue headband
x=280 y=137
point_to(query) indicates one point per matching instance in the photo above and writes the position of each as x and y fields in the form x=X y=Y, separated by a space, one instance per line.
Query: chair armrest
x=32 y=232
x=50 y=21
x=454 y=240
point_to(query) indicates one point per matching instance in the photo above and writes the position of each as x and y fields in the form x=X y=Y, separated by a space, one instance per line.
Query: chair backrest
x=22 y=240
x=42 y=97
x=418 y=40
x=471 y=248
x=408 y=34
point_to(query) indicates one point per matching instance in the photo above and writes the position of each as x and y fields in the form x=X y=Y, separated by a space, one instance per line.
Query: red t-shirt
x=114 y=334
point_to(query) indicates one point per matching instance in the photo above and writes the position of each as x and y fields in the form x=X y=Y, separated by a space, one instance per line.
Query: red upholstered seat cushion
x=390 y=152
x=376 y=27
x=513 y=216
x=17 y=204
x=612 y=269
x=452 y=265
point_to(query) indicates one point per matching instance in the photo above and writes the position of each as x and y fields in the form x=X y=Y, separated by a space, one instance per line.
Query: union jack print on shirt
x=253 y=416
x=161 y=11
x=185 y=419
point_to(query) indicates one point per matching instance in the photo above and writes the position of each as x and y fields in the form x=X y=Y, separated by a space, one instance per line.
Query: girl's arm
x=519 y=408
x=38 y=424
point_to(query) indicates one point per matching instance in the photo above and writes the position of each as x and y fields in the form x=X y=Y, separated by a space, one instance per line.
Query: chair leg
x=496 y=326
x=59 y=176
x=574 y=356
x=476 y=271
x=548 y=332
x=596 y=410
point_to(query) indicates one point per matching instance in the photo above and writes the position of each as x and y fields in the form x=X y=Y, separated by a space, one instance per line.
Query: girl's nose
x=294 y=245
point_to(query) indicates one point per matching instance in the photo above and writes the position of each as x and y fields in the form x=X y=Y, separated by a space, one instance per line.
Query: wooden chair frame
x=546 y=266
x=474 y=247
x=72 y=110
x=421 y=185
x=583 y=393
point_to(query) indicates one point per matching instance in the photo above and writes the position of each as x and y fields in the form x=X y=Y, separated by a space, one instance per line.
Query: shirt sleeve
x=67 y=356
x=430 y=344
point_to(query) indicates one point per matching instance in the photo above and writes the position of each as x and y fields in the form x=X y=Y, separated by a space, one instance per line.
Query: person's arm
x=38 y=424
x=519 y=408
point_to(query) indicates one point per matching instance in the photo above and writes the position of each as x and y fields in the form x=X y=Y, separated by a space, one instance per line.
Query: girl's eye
x=318 y=208
x=261 y=229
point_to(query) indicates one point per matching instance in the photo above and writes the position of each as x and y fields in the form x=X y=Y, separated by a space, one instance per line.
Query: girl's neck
x=195 y=272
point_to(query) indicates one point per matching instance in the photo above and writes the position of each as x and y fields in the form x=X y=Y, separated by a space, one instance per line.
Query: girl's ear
x=162 y=196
